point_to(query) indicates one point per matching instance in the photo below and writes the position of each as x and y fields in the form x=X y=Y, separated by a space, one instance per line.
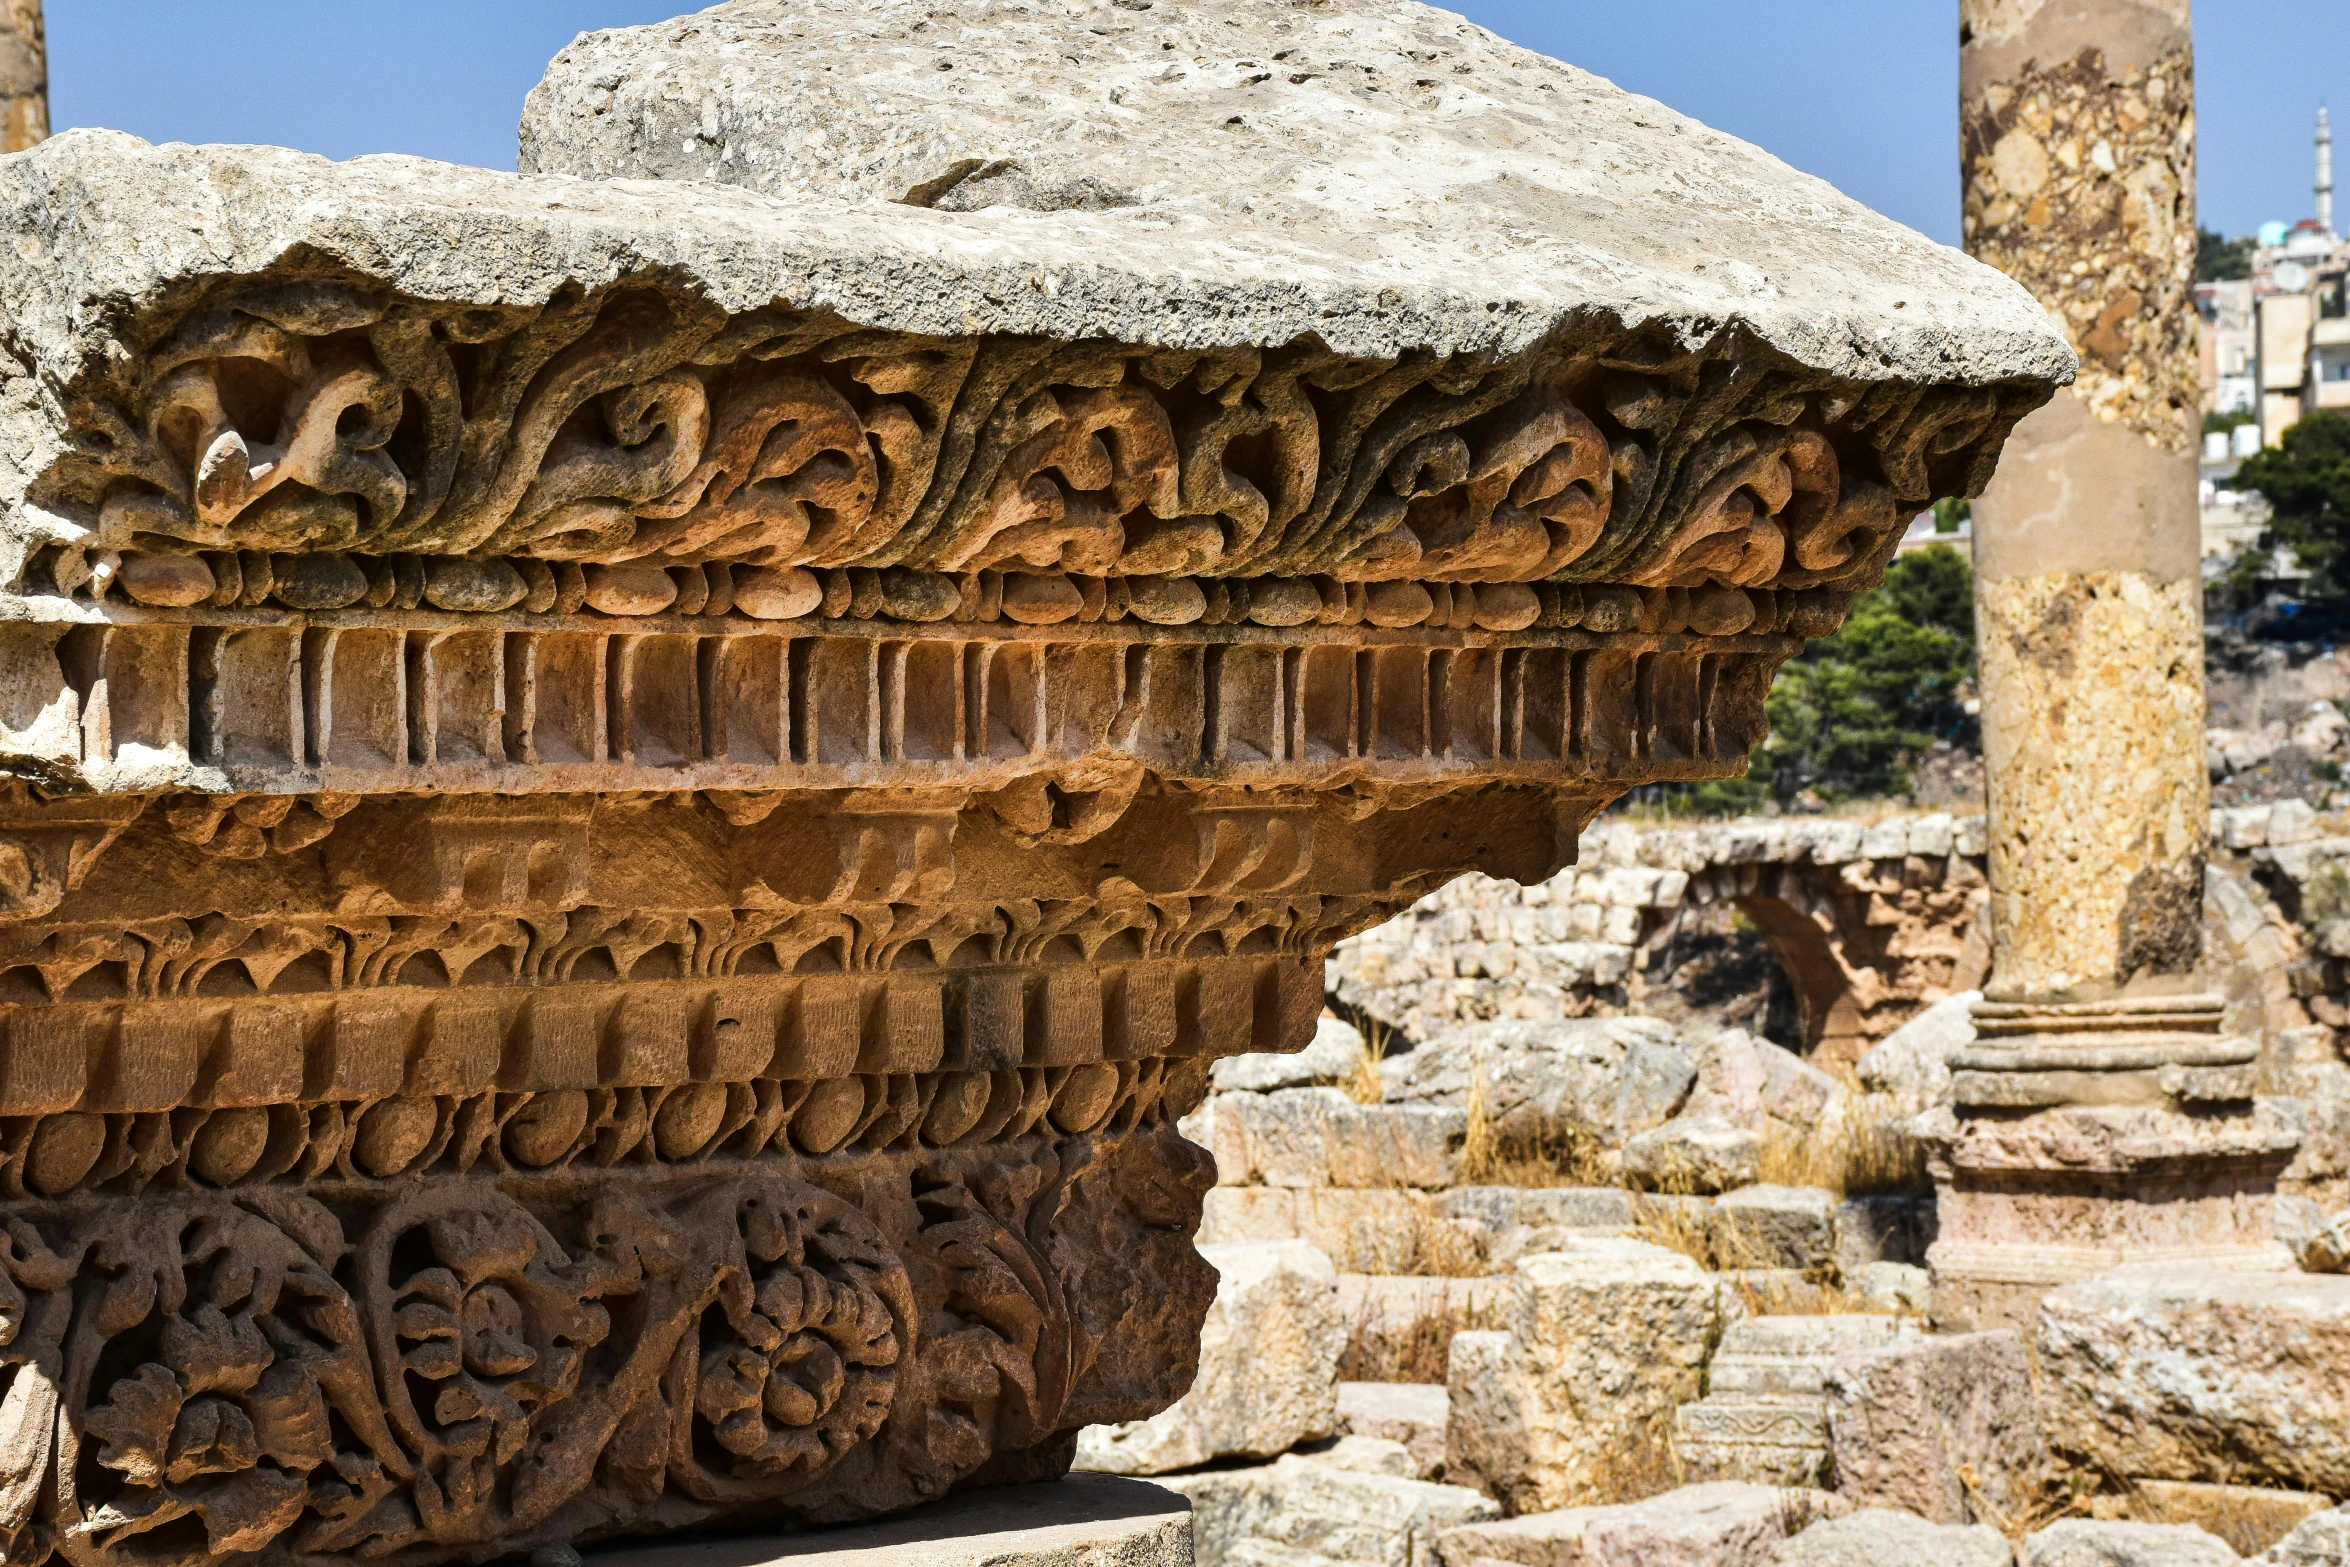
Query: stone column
x=24 y=74
x=2103 y=1116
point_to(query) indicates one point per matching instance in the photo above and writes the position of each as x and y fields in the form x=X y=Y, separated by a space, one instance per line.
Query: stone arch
x=1864 y=944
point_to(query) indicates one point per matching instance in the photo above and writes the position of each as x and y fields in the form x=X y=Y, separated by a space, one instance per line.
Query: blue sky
x=1860 y=92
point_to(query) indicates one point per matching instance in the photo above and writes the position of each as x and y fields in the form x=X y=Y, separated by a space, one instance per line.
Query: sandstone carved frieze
x=411 y=1372
x=317 y=444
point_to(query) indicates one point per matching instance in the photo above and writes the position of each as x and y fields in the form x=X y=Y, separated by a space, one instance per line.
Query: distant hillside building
x=2277 y=345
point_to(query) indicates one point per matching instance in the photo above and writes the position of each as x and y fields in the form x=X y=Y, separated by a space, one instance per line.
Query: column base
x=2030 y=1202
x=2091 y=1135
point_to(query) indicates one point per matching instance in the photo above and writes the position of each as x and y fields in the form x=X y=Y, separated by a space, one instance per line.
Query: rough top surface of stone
x=1385 y=171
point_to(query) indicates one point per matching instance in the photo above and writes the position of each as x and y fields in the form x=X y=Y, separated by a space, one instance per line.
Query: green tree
x=2219 y=259
x=2307 y=481
x=1851 y=711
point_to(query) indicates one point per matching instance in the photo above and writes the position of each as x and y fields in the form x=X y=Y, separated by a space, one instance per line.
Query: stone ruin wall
x=1870 y=921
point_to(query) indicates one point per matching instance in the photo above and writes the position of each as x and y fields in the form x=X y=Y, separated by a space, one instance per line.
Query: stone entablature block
x=637 y=806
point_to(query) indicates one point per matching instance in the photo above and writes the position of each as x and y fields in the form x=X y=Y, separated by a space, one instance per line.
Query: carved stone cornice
x=637 y=807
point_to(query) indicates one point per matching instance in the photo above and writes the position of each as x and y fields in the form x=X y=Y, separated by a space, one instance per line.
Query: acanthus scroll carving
x=309 y=425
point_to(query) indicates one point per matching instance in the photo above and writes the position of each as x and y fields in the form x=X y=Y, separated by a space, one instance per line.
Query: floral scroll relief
x=438 y=1372
x=634 y=425
x=456 y=1378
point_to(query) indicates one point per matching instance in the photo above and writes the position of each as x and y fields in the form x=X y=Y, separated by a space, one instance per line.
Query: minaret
x=2325 y=172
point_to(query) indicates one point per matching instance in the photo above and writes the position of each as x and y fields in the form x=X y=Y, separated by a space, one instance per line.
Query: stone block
x=2322 y=1540
x=1414 y=1414
x=1268 y=1368
x=1745 y=1080
x=2249 y=1518
x=1366 y=1231
x=1724 y=1524
x=1877 y=1537
x=1694 y=1154
x=1768 y=1226
x=1893 y=1286
x=1082 y=1518
x=1880 y=1229
x=1595 y=1208
x=1942 y=1427
x=1313 y=1137
x=1326 y=1063
x=1553 y=1539
x=2228 y=1377
x=1764 y=1417
x=1317 y=1508
x=2089 y=1542
x=1606 y=1338
x=1911 y=1065
x=1545 y=1082
x=1228 y=1506
x=1704 y=1525
x=1374 y=1519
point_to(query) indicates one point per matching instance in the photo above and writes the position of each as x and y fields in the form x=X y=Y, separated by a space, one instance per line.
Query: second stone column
x=2103 y=1116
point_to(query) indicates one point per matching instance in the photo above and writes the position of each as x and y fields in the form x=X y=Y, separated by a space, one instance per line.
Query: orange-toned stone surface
x=637 y=806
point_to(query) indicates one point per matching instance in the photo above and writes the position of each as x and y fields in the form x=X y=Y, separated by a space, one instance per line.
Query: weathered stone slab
x=1306 y=1137
x=1875 y=1537
x=1268 y=1369
x=1550 y=1084
x=2218 y=1377
x=1308 y=1509
x=1694 y=1154
x=1606 y=1338
x=1387 y=1232
x=1708 y=1525
x=1079 y=1521
x=1945 y=1427
x=1911 y=1065
x=1725 y=1524
x=1414 y=1414
x=1770 y=1226
x=1764 y=1417
x=1090 y=128
x=2086 y=1542
x=1553 y=1539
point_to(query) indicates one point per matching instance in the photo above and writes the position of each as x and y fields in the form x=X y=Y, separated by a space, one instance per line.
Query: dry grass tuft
x=1861 y=1149
x=1367 y=1084
x=1480 y=1154
x=1645 y=1465
x=1375 y=1352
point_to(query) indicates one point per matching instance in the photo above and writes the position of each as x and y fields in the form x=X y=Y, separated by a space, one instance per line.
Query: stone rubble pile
x=1667 y=1349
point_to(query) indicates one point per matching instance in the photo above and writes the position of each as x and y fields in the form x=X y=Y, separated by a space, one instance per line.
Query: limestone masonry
x=637 y=804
